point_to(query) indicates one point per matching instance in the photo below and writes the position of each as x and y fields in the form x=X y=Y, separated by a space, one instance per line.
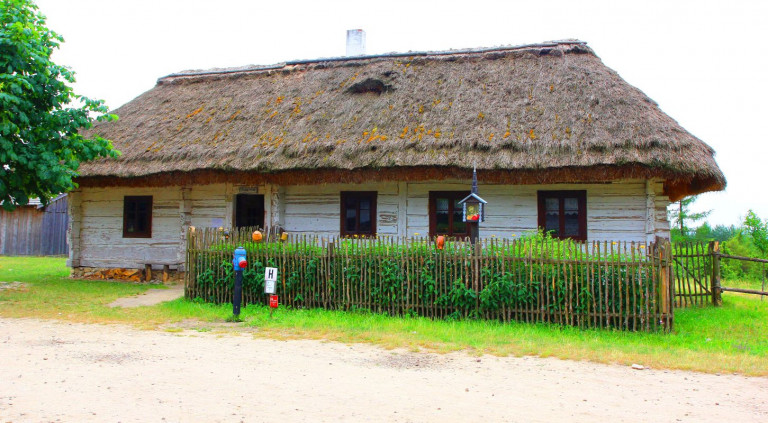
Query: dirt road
x=51 y=371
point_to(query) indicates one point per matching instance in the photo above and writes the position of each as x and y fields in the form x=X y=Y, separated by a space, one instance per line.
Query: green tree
x=682 y=216
x=723 y=233
x=757 y=230
x=40 y=115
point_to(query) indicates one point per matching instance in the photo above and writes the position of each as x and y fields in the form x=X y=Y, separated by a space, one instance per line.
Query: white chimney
x=355 y=42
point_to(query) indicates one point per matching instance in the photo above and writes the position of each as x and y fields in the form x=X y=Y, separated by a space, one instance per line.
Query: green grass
x=731 y=338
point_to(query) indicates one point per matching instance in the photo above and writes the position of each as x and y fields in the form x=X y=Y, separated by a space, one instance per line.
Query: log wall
x=631 y=211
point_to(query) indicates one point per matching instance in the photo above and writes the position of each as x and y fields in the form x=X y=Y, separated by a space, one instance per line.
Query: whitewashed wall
x=619 y=211
x=615 y=211
x=101 y=242
x=315 y=209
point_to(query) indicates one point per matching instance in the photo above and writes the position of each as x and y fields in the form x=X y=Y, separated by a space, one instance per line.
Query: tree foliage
x=757 y=229
x=40 y=115
x=719 y=233
x=682 y=217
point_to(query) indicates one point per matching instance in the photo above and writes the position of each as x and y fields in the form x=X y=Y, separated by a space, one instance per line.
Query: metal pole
x=238 y=294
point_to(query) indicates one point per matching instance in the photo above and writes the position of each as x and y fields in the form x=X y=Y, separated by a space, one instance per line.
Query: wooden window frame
x=373 y=196
x=580 y=195
x=453 y=195
x=135 y=199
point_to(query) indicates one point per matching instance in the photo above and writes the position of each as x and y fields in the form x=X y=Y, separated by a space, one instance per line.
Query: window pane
x=571 y=224
x=442 y=225
x=552 y=216
x=441 y=204
x=552 y=223
x=571 y=212
x=571 y=204
x=351 y=220
x=459 y=227
x=365 y=220
x=553 y=205
x=365 y=204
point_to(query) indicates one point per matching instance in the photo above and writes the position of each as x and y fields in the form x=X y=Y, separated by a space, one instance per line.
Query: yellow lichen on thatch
x=233 y=116
x=194 y=112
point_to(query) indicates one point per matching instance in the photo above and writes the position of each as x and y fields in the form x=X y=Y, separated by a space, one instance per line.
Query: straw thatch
x=533 y=114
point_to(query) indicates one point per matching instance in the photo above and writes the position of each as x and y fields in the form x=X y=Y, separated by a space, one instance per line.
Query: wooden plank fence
x=29 y=230
x=609 y=284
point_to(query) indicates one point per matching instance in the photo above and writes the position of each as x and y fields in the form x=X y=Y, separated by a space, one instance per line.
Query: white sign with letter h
x=270 y=279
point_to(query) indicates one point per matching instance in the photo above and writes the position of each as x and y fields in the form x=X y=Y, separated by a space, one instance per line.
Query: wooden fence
x=617 y=285
x=696 y=266
x=693 y=269
x=30 y=230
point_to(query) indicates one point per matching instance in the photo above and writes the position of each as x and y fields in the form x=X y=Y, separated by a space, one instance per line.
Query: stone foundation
x=134 y=275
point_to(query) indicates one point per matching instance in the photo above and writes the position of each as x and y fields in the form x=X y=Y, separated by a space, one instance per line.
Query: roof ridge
x=282 y=65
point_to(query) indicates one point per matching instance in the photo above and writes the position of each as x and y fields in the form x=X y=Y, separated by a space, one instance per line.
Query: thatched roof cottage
x=386 y=145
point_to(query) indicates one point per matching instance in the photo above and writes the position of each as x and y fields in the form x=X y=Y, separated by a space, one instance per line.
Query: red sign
x=273 y=301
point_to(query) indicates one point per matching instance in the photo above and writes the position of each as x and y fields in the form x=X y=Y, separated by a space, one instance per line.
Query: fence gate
x=692 y=264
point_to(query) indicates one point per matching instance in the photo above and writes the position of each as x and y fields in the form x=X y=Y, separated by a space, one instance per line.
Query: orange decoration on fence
x=440 y=241
x=257 y=236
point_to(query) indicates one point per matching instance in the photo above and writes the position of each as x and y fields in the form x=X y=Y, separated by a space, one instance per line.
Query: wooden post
x=74 y=202
x=147 y=272
x=166 y=272
x=661 y=254
x=474 y=232
x=717 y=293
x=185 y=219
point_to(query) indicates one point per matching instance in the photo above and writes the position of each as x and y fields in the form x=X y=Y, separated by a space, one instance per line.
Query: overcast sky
x=702 y=61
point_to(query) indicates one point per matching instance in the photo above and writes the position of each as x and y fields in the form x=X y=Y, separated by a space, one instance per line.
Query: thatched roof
x=532 y=114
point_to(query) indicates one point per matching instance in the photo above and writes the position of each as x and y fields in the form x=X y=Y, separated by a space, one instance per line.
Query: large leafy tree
x=40 y=115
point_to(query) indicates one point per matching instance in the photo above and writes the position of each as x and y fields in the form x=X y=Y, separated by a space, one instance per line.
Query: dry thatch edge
x=675 y=186
x=578 y=46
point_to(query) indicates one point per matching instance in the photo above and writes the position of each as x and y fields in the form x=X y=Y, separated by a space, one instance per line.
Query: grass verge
x=731 y=338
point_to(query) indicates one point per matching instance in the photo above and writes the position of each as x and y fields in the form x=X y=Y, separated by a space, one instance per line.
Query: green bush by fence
x=534 y=279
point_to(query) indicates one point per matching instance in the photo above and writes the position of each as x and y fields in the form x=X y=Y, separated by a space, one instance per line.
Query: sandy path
x=52 y=371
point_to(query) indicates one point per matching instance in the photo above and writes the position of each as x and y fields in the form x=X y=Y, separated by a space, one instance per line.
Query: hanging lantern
x=473 y=206
x=473 y=210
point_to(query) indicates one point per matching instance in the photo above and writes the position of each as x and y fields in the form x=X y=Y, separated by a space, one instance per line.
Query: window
x=564 y=214
x=137 y=216
x=249 y=210
x=445 y=213
x=358 y=213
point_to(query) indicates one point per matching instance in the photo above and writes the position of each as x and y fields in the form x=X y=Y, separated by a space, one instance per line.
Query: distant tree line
x=747 y=239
